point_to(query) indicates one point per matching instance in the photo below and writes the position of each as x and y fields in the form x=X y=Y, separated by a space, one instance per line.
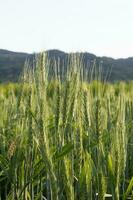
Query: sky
x=102 y=27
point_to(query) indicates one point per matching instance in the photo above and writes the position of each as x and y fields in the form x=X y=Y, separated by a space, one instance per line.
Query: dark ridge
x=12 y=63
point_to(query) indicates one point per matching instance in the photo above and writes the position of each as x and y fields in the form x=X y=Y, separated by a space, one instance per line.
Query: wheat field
x=64 y=138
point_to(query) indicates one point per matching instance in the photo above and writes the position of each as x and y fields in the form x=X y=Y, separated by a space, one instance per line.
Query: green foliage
x=64 y=139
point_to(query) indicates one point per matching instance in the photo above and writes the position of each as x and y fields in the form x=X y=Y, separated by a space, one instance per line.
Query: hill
x=12 y=63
